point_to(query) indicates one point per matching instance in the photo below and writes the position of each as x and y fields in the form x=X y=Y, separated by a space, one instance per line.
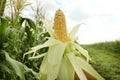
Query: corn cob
x=60 y=26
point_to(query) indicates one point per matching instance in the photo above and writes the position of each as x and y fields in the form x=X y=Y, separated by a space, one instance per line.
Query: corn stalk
x=2 y=7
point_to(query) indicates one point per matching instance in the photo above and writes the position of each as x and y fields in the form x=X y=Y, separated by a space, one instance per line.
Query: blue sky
x=101 y=18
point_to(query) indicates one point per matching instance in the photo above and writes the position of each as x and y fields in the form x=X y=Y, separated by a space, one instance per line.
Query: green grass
x=107 y=59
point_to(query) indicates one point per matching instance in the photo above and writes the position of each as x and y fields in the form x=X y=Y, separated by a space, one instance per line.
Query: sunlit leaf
x=66 y=70
x=48 y=25
x=51 y=63
x=48 y=43
x=38 y=56
x=82 y=51
x=77 y=68
x=73 y=32
x=88 y=68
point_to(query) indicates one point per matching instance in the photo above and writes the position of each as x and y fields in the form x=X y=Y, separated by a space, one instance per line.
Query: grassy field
x=107 y=59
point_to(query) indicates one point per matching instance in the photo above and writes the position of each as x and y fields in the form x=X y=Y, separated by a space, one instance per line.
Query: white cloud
x=99 y=29
x=100 y=7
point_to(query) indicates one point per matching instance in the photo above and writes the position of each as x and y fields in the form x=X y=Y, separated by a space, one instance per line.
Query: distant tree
x=38 y=11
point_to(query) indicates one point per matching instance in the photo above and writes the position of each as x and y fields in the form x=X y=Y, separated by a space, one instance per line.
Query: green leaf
x=76 y=66
x=40 y=23
x=3 y=26
x=30 y=29
x=51 y=63
x=30 y=22
x=66 y=70
x=18 y=67
x=88 y=68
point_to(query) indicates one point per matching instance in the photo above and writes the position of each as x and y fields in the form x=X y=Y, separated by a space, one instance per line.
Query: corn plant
x=15 y=41
x=17 y=35
x=64 y=57
x=15 y=8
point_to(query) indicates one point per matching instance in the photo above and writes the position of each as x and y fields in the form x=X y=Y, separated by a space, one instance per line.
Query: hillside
x=107 y=59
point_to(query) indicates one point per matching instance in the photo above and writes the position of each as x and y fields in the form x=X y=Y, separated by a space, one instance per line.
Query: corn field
x=37 y=49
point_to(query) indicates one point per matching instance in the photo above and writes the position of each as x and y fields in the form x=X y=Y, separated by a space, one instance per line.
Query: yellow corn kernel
x=60 y=26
